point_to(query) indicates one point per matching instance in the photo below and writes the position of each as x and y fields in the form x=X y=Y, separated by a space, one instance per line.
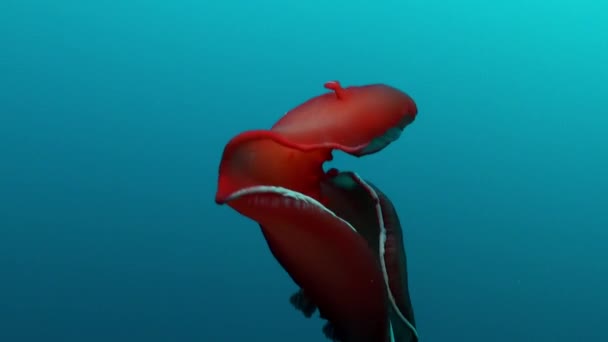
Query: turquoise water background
x=114 y=114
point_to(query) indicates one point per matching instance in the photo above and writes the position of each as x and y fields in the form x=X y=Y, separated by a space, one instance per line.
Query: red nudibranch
x=336 y=235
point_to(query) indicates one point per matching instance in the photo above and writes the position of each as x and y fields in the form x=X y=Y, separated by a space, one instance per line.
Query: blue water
x=113 y=116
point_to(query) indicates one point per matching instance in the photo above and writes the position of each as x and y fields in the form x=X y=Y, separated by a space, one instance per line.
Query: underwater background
x=114 y=114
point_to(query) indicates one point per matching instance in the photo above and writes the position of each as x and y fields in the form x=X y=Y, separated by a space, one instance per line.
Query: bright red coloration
x=348 y=118
x=266 y=158
x=327 y=258
x=265 y=173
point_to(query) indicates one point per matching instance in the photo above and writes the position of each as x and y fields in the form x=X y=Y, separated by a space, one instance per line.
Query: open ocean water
x=114 y=114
